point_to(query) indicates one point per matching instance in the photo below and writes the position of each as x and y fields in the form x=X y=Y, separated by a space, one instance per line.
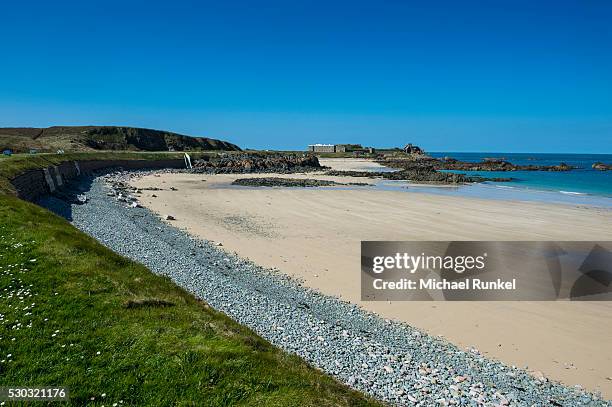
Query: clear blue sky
x=448 y=75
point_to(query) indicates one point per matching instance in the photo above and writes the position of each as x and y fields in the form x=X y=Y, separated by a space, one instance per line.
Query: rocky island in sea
x=416 y=158
x=601 y=166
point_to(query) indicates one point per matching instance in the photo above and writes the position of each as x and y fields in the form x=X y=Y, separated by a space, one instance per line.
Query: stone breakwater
x=390 y=361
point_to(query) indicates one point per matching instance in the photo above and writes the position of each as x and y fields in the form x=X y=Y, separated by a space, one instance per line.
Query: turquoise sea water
x=580 y=186
x=585 y=180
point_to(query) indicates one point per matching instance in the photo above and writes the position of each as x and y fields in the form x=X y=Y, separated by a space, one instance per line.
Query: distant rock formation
x=498 y=165
x=449 y=163
x=419 y=175
x=602 y=167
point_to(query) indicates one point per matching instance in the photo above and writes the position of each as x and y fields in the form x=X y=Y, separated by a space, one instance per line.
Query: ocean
x=583 y=185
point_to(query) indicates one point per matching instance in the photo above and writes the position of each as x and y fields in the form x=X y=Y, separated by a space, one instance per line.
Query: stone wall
x=33 y=184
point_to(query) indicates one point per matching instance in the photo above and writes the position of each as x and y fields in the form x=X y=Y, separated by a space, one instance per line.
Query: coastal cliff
x=117 y=138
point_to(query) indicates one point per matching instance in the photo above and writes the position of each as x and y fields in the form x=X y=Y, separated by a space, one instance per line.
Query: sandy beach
x=314 y=234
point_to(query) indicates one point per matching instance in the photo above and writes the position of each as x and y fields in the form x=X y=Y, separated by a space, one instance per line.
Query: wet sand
x=314 y=234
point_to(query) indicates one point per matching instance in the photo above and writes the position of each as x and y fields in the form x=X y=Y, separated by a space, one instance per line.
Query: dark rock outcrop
x=602 y=166
x=420 y=175
x=290 y=182
x=448 y=163
x=498 y=165
x=258 y=162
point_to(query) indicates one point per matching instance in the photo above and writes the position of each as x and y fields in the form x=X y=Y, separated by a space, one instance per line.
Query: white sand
x=315 y=235
x=351 y=164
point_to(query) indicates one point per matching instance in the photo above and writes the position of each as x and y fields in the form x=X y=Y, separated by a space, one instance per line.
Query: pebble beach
x=389 y=360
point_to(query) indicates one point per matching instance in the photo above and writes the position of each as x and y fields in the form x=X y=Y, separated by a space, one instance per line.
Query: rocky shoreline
x=410 y=170
x=447 y=163
x=390 y=361
x=257 y=162
x=291 y=182
x=419 y=175
x=602 y=166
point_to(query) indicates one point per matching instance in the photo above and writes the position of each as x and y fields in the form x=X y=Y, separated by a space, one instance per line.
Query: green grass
x=157 y=344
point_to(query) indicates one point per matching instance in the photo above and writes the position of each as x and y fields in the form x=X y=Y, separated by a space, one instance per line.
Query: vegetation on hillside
x=90 y=138
x=75 y=314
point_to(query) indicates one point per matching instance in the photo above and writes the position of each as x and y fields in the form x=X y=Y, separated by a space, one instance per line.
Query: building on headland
x=358 y=150
x=411 y=149
x=340 y=148
x=322 y=148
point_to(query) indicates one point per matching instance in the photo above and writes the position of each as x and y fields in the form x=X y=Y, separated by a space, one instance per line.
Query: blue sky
x=498 y=75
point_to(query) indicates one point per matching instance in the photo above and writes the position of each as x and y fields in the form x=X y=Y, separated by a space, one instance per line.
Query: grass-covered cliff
x=89 y=138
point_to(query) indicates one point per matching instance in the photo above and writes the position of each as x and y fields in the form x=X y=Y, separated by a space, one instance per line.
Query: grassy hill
x=90 y=138
x=73 y=313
